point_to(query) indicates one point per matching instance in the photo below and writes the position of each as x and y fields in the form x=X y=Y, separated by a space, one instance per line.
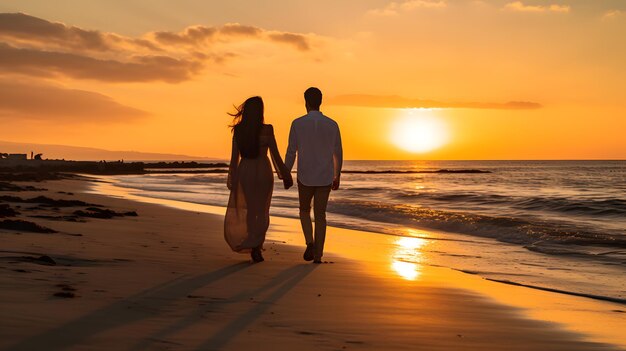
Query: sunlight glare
x=406 y=270
x=407 y=257
x=419 y=131
x=411 y=243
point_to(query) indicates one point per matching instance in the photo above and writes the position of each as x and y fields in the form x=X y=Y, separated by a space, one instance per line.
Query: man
x=317 y=141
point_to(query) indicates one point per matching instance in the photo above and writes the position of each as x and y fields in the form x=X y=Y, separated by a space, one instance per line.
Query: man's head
x=313 y=99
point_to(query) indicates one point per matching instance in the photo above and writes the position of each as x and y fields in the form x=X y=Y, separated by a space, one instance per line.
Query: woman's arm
x=292 y=148
x=279 y=165
x=234 y=162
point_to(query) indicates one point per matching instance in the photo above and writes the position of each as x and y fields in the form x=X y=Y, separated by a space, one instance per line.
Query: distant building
x=17 y=157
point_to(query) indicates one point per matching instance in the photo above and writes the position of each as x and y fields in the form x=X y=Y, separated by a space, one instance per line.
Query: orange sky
x=507 y=79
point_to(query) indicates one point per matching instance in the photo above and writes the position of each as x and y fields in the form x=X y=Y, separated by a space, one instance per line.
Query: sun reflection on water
x=408 y=256
x=407 y=270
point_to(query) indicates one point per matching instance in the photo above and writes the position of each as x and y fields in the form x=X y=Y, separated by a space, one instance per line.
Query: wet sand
x=166 y=280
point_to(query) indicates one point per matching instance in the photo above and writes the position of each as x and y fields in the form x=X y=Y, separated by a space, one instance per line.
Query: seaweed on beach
x=70 y=218
x=7 y=211
x=65 y=294
x=43 y=202
x=24 y=226
x=95 y=212
x=5 y=186
x=46 y=201
x=32 y=176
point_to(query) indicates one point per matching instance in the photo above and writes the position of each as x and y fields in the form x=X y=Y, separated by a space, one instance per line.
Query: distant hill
x=89 y=154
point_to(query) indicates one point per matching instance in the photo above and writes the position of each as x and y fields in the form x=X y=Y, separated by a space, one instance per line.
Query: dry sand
x=165 y=280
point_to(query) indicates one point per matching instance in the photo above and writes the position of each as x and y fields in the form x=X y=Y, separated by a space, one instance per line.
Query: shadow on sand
x=279 y=285
x=125 y=311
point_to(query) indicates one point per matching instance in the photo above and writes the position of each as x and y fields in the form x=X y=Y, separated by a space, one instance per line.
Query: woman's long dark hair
x=246 y=126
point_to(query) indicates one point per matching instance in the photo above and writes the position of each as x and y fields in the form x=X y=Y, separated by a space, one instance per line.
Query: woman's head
x=247 y=124
x=250 y=111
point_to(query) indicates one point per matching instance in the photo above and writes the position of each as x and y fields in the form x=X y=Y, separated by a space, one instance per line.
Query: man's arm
x=290 y=155
x=337 y=160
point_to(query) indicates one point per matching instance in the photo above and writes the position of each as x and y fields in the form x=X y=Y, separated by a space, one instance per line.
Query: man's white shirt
x=317 y=141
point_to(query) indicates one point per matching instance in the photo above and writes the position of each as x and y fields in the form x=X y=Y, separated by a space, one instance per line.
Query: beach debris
x=65 y=294
x=4 y=186
x=7 y=211
x=354 y=342
x=41 y=259
x=46 y=201
x=33 y=176
x=24 y=226
x=45 y=259
x=65 y=287
x=56 y=260
x=95 y=212
x=70 y=218
x=48 y=169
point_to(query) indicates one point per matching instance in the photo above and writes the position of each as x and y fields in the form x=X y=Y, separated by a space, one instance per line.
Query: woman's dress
x=251 y=183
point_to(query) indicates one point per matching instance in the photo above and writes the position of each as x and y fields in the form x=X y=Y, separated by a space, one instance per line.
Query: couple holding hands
x=316 y=142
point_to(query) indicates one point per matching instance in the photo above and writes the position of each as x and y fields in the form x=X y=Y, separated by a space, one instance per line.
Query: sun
x=418 y=131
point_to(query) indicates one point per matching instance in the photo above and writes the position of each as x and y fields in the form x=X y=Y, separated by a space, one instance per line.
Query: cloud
x=394 y=101
x=191 y=35
x=29 y=28
x=41 y=63
x=521 y=7
x=297 y=40
x=395 y=8
x=202 y=35
x=22 y=28
x=613 y=14
x=37 y=47
x=30 y=100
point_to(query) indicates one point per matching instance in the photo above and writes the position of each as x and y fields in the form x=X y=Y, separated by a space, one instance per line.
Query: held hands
x=288 y=181
x=335 y=185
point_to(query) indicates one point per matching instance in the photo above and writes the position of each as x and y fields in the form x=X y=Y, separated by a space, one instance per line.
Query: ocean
x=554 y=225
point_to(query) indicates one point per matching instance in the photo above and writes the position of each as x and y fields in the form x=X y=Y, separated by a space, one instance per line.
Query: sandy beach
x=166 y=280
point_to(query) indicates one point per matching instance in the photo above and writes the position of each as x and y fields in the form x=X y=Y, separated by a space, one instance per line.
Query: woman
x=250 y=179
